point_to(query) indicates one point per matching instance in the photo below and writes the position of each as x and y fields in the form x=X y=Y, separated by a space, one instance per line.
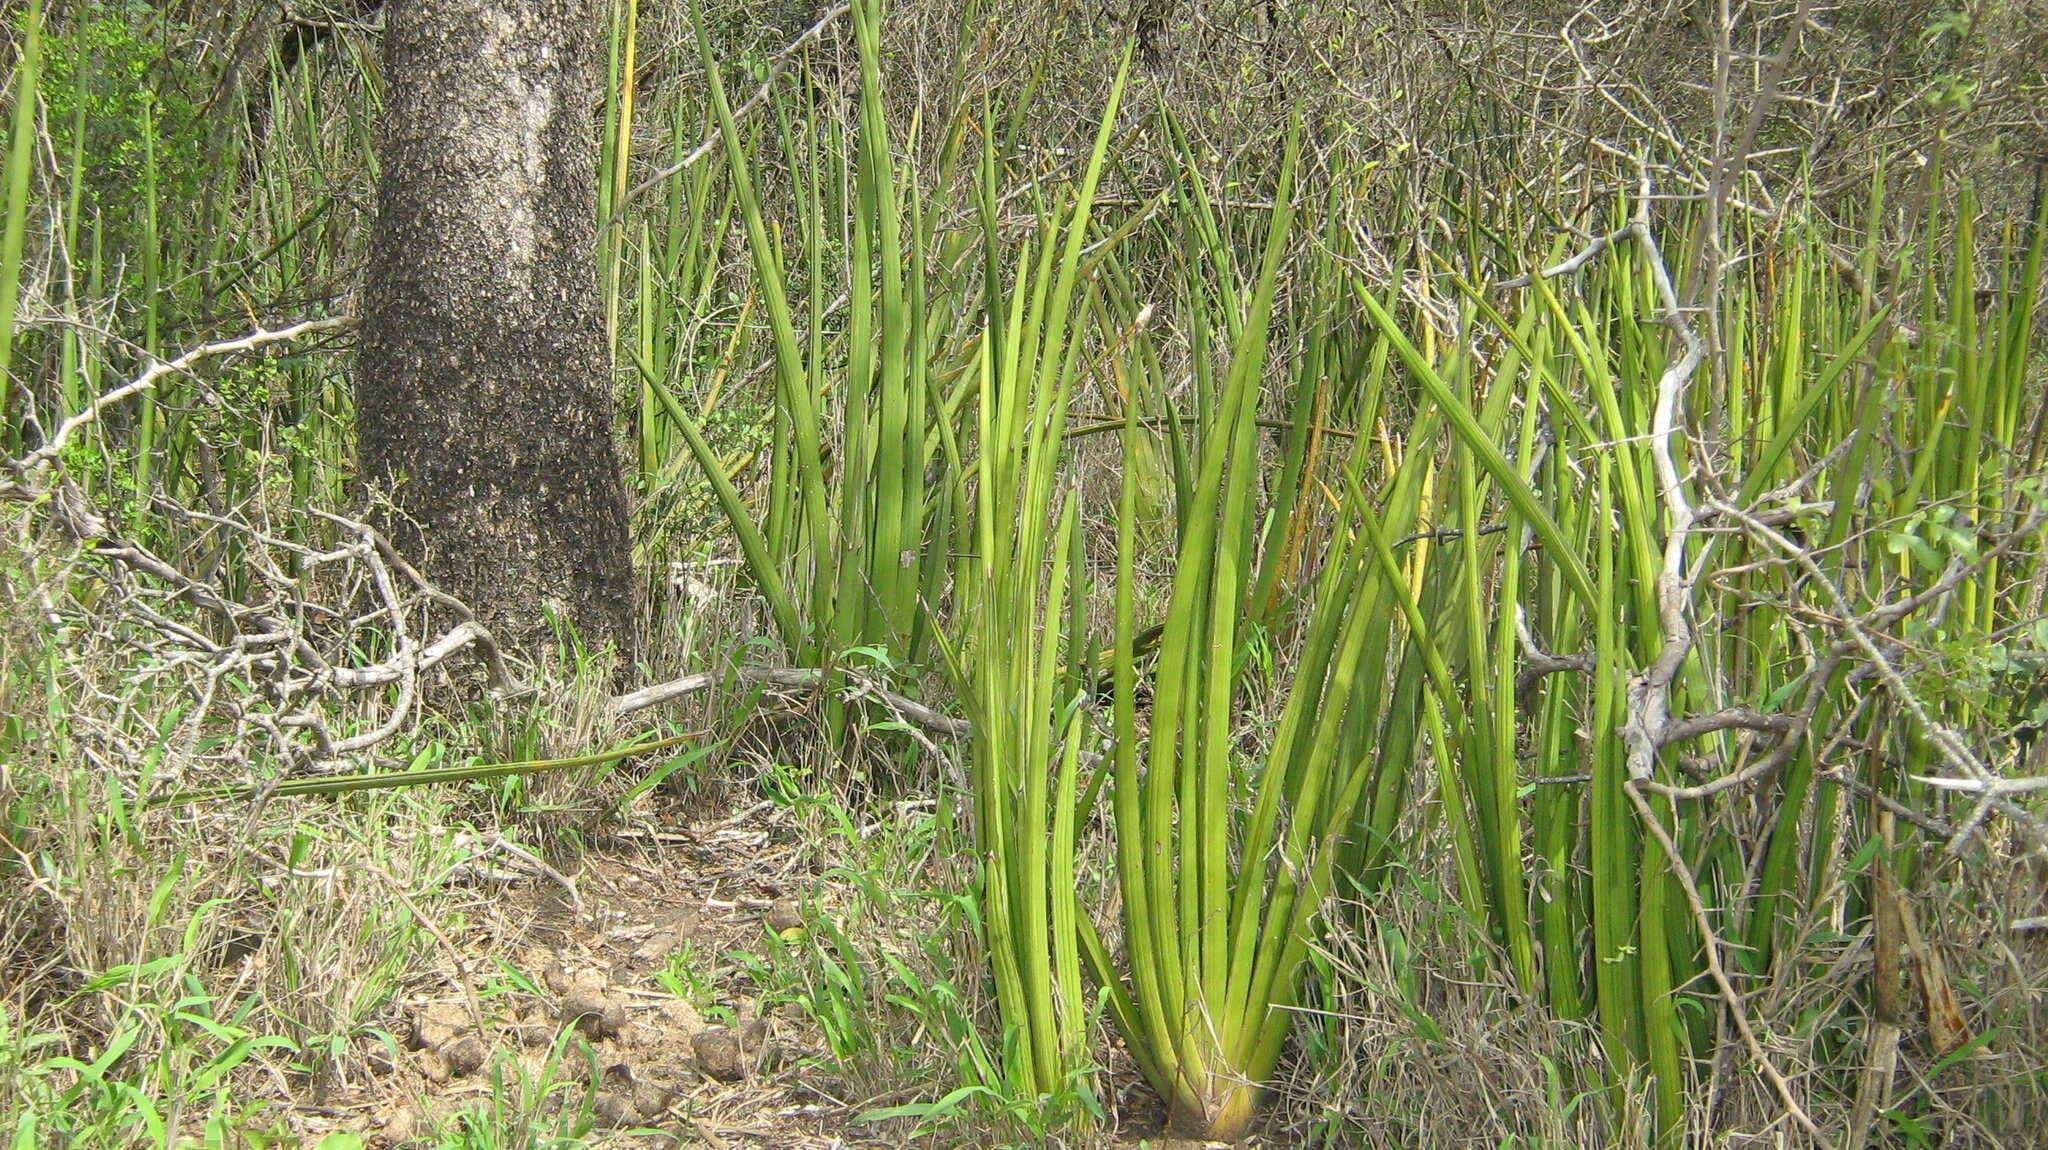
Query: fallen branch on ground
x=795 y=677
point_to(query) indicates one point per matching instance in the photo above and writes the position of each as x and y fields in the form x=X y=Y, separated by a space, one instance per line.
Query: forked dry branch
x=295 y=637
x=296 y=633
x=1693 y=507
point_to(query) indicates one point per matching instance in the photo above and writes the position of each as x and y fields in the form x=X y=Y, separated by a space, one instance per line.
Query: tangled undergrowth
x=1184 y=594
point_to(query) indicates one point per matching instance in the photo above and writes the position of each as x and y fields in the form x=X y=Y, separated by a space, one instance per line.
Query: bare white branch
x=49 y=451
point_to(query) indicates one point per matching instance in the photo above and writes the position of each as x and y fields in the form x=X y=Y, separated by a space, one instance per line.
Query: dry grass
x=256 y=974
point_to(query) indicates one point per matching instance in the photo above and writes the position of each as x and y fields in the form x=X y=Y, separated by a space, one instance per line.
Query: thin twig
x=1571 y=264
x=463 y=979
x=1712 y=945
x=910 y=709
x=157 y=370
x=779 y=65
x=1950 y=745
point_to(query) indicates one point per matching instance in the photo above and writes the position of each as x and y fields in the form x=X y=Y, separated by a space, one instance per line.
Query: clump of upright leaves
x=1020 y=644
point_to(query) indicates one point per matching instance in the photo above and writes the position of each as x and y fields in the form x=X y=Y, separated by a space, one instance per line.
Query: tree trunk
x=484 y=402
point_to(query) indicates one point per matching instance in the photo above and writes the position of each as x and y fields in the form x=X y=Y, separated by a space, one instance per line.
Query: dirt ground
x=544 y=950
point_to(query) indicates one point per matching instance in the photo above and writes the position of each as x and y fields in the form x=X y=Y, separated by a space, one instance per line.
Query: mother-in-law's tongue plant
x=1224 y=863
x=1015 y=660
x=1222 y=867
x=1211 y=945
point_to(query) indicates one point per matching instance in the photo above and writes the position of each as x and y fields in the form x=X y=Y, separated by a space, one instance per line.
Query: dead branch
x=48 y=452
x=1954 y=751
x=776 y=67
x=1712 y=944
x=853 y=686
x=288 y=634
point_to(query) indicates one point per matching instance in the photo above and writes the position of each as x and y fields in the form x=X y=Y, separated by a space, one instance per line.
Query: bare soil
x=587 y=942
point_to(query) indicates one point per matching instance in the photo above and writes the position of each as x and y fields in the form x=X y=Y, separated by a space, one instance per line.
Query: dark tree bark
x=484 y=399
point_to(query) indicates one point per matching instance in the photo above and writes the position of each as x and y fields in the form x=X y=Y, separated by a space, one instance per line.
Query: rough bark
x=484 y=398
